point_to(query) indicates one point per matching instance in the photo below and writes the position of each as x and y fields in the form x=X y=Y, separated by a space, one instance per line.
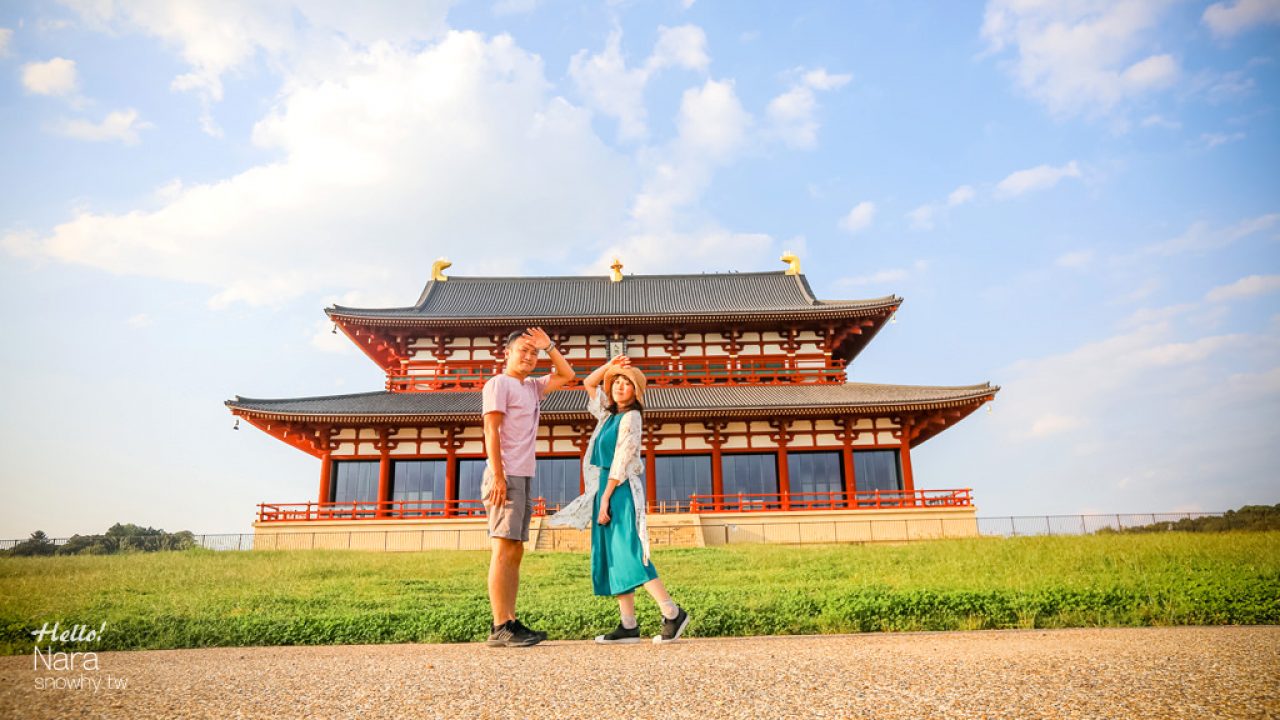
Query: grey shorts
x=510 y=520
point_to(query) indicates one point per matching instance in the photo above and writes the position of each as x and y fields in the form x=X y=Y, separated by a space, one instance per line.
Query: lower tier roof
x=690 y=401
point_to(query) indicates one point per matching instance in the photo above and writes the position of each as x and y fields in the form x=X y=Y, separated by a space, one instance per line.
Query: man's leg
x=504 y=578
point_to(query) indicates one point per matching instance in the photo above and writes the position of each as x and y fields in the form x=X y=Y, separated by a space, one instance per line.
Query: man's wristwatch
x=551 y=347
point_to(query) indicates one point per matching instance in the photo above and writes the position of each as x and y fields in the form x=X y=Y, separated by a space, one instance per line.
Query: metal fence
x=799 y=532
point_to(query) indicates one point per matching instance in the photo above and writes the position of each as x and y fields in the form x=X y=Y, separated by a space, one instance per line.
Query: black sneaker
x=673 y=628
x=513 y=634
x=620 y=636
x=520 y=627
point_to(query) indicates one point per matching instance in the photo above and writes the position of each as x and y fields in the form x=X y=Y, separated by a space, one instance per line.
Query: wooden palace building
x=752 y=432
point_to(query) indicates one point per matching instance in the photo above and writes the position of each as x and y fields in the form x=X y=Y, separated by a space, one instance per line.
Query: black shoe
x=521 y=627
x=513 y=634
x=673 y=628
x=620 y=636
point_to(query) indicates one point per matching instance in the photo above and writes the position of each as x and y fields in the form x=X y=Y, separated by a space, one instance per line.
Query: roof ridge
x=371 y=393
x=426 y=293
x=539 y=278
x=805 y=290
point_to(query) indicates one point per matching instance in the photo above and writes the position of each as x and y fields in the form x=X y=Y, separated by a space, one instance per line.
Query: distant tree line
x=1248 y=517
x=119 y=538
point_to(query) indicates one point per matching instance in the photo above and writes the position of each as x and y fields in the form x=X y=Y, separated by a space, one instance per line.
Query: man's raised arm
x=563 y=374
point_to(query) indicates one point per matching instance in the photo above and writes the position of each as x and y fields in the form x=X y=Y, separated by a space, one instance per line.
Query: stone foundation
x=667 y=530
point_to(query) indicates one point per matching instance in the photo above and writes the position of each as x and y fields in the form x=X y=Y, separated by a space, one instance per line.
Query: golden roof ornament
x=616 y=267
x=437 y=269
x=792 y=261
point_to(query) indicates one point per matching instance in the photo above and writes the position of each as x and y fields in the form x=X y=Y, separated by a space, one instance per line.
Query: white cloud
x=1077 y=259
x=459 y=149
x=820 y=79
x=122 y=125
x=1213 y=140
x=859 y=218
x=1229 y=19
x=1041 y=177
x=1156 y=71
x=1245 y=287
x=610 y=87
x=52 y=77
x=925 y=216
x=711 y=127
x=6 y=37
x=1081 y=57
x=882 y=277
x=712 y=120
x=214 y=38
x=1200 y=237
x=791 y=114
x=140 y=320
x=1051 y=424
x=1139 y=385
x=922 y=217
x=667 y=231
x=1160 y=121
x=680 y=47
x=960 y=196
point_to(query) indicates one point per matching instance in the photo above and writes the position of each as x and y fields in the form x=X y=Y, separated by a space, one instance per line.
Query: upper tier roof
x=571 y=297
x=699 y=400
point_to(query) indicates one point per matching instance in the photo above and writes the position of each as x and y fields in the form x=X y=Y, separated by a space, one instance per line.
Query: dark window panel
x=876 y=470
x=355 y=481
x=556 y=479
x=470 y=475
x=418 y=479
x=750 y=473
x=679 y=476
x=815 y=472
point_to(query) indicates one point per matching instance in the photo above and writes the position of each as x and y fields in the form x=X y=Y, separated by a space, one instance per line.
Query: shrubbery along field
x=199 y=598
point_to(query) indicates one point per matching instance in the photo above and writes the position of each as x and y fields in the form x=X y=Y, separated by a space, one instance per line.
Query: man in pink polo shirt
x=511 y=407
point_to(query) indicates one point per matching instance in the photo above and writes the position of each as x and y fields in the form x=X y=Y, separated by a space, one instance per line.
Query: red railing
x=743 y=503
x=387 y=509
x=767 y=502
x=472 y=374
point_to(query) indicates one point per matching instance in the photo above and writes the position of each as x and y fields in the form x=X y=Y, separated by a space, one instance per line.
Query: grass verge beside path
x=204 y=599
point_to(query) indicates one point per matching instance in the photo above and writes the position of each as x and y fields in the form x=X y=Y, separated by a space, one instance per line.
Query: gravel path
x=1111 y=673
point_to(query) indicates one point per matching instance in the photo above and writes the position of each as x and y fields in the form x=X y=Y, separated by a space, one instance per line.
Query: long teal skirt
x=617 y=558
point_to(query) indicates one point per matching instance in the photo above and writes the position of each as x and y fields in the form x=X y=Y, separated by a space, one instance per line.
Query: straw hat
x=631 y=373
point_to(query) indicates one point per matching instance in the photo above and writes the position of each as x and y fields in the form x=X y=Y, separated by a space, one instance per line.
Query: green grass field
x=204 y=599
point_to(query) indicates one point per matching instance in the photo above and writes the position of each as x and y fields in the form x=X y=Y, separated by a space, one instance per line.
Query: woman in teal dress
x=615 y=498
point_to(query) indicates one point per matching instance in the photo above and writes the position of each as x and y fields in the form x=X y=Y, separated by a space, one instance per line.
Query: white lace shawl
x=627 y=467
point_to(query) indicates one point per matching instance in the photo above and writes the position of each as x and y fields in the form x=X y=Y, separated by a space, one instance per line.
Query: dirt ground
x=1195 y=672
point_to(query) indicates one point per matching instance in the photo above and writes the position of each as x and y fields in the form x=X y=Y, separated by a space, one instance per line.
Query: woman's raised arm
x=592 y=381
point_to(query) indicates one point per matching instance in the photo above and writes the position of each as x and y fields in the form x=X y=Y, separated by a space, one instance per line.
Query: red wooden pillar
x=850 y=478
x=451 y=444
x=326 y=477
x=650 y=472
x=781 y=437
x=717 y=466
x=784 y=477
x=582 y=441
x=908 y=482
x=847 y=436
x=384 y=474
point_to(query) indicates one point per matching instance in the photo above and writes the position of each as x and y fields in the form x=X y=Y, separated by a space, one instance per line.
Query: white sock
x=669 y=609
x=629 y=622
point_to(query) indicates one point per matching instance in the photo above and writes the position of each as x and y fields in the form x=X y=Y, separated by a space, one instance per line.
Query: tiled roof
x=636 y=295
x=662 y=401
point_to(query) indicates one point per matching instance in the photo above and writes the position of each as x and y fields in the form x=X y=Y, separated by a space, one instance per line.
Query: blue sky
x=1078 y=202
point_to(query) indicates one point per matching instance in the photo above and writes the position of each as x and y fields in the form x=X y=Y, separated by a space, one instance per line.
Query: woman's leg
x=627 y=609
x=660 y=595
